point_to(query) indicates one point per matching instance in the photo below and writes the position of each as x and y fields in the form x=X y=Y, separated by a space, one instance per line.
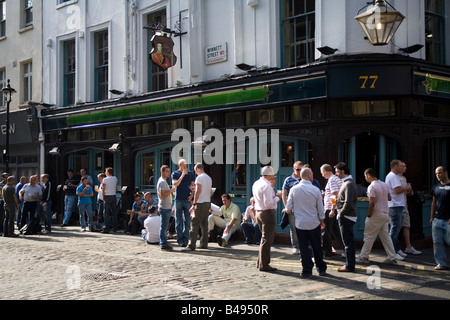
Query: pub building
x=365 y=109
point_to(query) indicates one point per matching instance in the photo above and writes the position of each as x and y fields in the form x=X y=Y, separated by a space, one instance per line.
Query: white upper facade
x=92 y=47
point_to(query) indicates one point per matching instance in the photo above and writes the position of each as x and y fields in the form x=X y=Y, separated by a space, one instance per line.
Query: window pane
x=148 y=171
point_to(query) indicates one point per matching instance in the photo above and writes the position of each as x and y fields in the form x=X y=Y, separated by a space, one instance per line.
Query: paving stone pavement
x=72 y=265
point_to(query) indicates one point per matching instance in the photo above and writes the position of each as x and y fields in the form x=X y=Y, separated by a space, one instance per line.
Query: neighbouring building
x=21 y=63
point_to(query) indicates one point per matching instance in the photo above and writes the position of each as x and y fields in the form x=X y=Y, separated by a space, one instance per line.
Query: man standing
x=305 y=200
x=19 y=186
x=84 y=194
x=70 y=199
x=100 y=202
x=31 y=193
x=440 y=217
x=183 y=181
x=11 y=205
x=406 y=221
x=377 y=221
x=2 y=202
x=397 y=203
x=346 y=207
x=200 y=208
x=164 y=206
x=287 y=185
x=331 y=192
x=47 y=200
x=266 y=203
x=230 y=222
x=109 y=189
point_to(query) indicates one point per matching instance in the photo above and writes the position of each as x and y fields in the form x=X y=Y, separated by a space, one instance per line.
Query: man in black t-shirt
x=440 y=216
x=70 y=200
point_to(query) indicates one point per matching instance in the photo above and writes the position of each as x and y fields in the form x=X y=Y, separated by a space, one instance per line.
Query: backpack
x=96 y=227
x=33 y=227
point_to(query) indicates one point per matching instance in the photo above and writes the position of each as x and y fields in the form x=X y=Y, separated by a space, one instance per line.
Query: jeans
x=165 y=218
x=395 y=219
x=69 y=203
x=28 y=212
x=183 y=220
x=440 y=233
x=85 y=209
x=101 y=209
x=110 y=211
x=293 y=231
x=346 y=227
x=313 y=237
x=48 y=215
x=252 y=233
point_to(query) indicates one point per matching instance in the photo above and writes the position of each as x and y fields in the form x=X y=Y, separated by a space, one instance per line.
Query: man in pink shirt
x=377 y=221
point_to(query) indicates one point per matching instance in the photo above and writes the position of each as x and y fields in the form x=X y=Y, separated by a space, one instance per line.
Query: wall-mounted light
x=55 y=151
x=379 y=22
x=115 y=148
x=327 y=50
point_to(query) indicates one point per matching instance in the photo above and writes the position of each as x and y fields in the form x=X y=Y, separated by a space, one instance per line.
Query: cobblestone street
x=72 y=265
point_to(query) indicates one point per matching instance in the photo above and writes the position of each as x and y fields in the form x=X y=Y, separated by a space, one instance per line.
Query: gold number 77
x=367 y=78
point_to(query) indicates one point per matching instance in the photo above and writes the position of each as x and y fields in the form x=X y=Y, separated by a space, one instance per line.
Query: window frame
x=308 y=42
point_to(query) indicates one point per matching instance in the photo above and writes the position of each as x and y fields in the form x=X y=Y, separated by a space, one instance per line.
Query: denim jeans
x=346 y=227
x=252 y=233
x=28 y=212
x=101 y=209
x=85 y=209
x=69 y=203
x=48 y=215
x=165 y=218
x=313 y=237
x=183 y=220
x=293 y=231
x=440 y=233
x=110 y=203
x=395 y=220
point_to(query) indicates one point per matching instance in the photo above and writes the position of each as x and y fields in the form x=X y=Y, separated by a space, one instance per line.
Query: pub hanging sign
x=162 y=53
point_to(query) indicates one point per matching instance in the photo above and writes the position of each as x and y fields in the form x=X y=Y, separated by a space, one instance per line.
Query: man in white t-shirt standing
x=397 y=203
x=109 y=187
x=200 y=209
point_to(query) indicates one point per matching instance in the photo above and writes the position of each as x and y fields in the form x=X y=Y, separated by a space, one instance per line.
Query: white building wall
x=21 y=45
x=250 y=28
x=337 y=27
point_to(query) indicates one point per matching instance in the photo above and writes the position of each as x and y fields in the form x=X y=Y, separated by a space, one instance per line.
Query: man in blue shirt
x=183 y=181
x=291 y=181
x=305 y=201
x=84 y=194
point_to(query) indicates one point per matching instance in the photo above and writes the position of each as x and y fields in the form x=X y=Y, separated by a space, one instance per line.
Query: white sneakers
x=412 y=251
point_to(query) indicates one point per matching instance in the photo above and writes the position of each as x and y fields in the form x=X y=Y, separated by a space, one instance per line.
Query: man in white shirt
x=397 y=203
x=306 y=202
x=109 y=187
x=266 y=203
x=152 y=226
x=200 y=209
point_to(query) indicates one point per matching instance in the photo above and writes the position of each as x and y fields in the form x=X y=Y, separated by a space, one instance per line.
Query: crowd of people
x=315 y=217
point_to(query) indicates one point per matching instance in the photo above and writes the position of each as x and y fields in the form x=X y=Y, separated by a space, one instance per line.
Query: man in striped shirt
x=331 y=190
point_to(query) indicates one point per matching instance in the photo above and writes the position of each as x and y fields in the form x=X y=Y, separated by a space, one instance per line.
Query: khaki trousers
x=377 y=225
x=266 y=221
x=200 y=221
